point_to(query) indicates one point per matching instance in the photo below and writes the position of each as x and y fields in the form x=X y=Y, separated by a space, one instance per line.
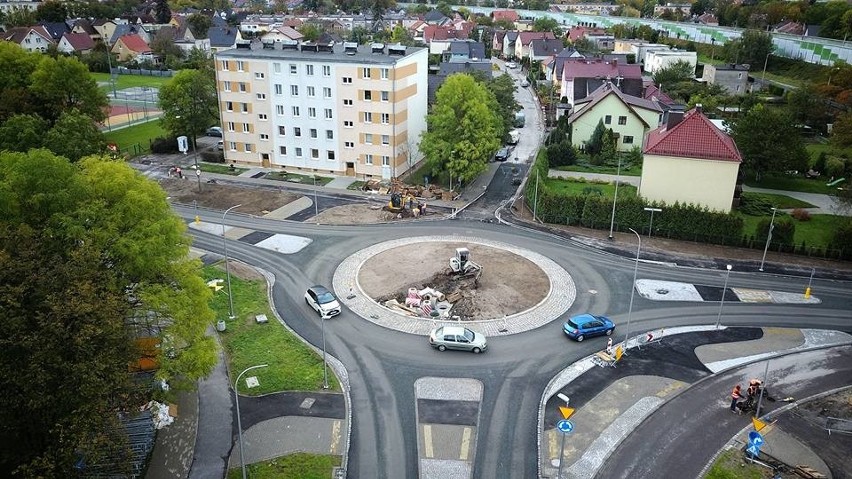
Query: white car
x=456 y=337
x=511 y=65
x=525 y=83
x=322 y=301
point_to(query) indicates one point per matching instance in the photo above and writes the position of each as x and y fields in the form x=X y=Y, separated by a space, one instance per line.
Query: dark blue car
x=585 y=325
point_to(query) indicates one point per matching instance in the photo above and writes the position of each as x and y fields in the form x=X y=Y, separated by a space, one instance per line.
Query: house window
x=385 y=73
x=279 y=89
x=313 y=132
x=366 y=73
x=368 y=117
x=368 y=138
x=227 y=86
x=264 y=136
x=309 y=69
x=261 y=96
x=293 y=69
x=240 y=66
x=229 y=106
x=385 y=96
x=294 y=90
x=608 y=119
x=385 y=118
x=259 y=75
x=231 y=126
x=246 y=127
x=326 y=70
x=297 y=132
x=233 y=146
x=385 y=161
x=295 y=111
x=249 y=147
x=348 y=124
x=368 y=159
x=347 y=80
x=349 y=144
x=628 y=140
x=279 y=109
x=276 y=67
x=282 y=130
x=314 y=154
x=347 y=102
x=282 y=150
x=326 y=92
x=328 y=114
x=262 y=117
x=386 y=140
x=298 y=152
x=244 y=107
x=243 y=87
x=329 y=155
x=225 y=66
x=329 y=134
x=368 y=95
x=312 y=92
x=312 y=112
x=622 y=120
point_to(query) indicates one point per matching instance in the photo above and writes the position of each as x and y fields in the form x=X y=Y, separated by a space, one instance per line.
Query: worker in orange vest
x=736 y=395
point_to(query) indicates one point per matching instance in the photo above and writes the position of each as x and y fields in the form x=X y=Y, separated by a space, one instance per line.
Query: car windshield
x=325 y=297
x=572 y=324
x=468 y=334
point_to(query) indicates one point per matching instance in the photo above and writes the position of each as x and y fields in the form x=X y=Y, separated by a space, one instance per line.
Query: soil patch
x=509 y=283
x=254 y=201
x=241 y=270
x=360 y=213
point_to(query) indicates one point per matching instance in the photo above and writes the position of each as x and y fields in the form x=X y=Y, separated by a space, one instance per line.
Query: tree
x=87 y=252
x=163 y=44
x=769 y=142
x=561 y=154
x=678 y=71
x=22 y=132
x=63 y=84
x=74 y=136
x=199 y=24
x=547 y=24
x=52 y=11
x=595 y=143
x=841 y=132
x=808 y=106
x=401 y=35
x=311 y=31
x=700 y=6
x=162 y=12
x=189 y=103
x=464 y=128
x=753 y=47
x=503 y=88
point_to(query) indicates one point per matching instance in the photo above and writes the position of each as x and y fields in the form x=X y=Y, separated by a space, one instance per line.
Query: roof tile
x=694 y=137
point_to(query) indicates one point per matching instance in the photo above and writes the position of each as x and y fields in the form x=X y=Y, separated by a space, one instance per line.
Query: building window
x=608 y=119
x=314 y=154
x=243 y=87
x=326 y=92
x=347 y=102
x=313 y=132
x=264 y=136
x=368 y=138
x=293 y=69
x=261 y=96
x=365 y=73
x=347 y=80
x=628 y=140
x=229 y=106
x=368 y=117
x=368 y=159
x=282 y=150
x=298 y=152
x=385 y=74
x=249 y=147
x=297 y=132
x=259 y=75
x=240 y=66
x=246 y=127
x=231 y=126
x=385 y=96
x=295 y=111
x=233 y=146
x=385 y=161
x=368 y=95
x=279 y=109
x=227 y=86
x=276 y=67
x=385 y=118
x=329 y=134
x=329 y=155
x=309 y=69
x=294 y=90
x=312 y=92
x=326 y=70
x=262 y=117
x=386 y=140
x=225 y=66
x=348 y=124
x=279 y=89
x=282 y=130
x=328 y=114
x=349 y=144
x=244 y=107
x=622 y=120
x=312 y=112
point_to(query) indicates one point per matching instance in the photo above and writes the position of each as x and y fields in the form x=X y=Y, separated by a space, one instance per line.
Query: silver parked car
x=457 y=337
x=322 y=301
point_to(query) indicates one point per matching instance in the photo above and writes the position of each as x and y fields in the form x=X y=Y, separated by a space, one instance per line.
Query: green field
x=128 y=81
x=817 y=232
x=297 y=178
x=791 y=183
x=221 y=169
x=140 y=134
x=563 y=186
x=604 y=170
x=783 y=202
x=731 y=465
x=294 y=466
x=293 y=366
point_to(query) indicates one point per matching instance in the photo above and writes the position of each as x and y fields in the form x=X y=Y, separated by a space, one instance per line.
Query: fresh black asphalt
x=459 y=413
x=261 y=408
x=808 y=427
x=255 y=237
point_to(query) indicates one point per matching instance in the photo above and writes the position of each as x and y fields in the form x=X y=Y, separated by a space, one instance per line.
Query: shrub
x=782 y=232
x=754 y=205
x=561 y=154
x=834 y=166
x=164 y=145
x=592 y=191
x=801 y=215
x=213 y=156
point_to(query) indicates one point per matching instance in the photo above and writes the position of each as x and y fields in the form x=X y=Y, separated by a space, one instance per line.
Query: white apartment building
x=329 y=109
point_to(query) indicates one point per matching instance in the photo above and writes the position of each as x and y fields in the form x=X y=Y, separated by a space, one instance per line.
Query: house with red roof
x=510 y=15
x=582 y=76
x=629 y=117
x=76 y=43
x=689 y=160
x=524 y=40
x=131 y=47
x=578 y=32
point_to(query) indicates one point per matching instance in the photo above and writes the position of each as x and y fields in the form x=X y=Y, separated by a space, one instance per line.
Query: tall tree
x=75 y=136
x=189 y=103
x=678 y=71
x=753 y=47
x=63 y=84
x=769 y=142
x=22 y=132
x=51 y=11
x=464 y=128
x=841 y=132
x=162 y=11
x=199 y=24
x=808 y=106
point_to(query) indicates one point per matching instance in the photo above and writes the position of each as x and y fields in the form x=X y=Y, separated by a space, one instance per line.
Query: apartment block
x=343 y=109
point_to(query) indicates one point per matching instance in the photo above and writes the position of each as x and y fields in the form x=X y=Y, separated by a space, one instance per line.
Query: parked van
x=514 y=136
x=520 y=119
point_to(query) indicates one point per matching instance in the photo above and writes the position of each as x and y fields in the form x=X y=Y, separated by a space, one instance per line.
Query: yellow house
x=628 y=116
x=689 y=160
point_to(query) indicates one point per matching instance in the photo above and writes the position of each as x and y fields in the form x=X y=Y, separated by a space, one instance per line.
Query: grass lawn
x=606 y=170
x=129 y=81
x=356 y=186
x=791 y=183
x=576 y=187
x=817 y=232
x=731 y=465
x=219 y=168
x=779 y=201
x=293 y=366
x=294 y=466
x=297 y=178
x=140 y=134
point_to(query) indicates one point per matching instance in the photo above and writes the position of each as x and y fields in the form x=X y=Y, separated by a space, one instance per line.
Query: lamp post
x=651 y=226
x=239 y=421
x=227 y=265
x=324 y=362
x=316 y=206
x=535 y=201
x=768 y=238
x=632 y=287
x=615 y=198
x=722 y=302
x=109 y=63
x=765 y=62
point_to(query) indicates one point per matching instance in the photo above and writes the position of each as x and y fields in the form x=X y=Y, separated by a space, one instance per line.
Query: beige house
x=690 y=160
x=628 y=116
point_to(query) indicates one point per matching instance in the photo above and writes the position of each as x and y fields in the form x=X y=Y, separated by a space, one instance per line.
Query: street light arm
x=245 y=371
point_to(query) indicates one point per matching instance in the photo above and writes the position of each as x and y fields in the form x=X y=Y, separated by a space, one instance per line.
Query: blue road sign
x=565 y=426
x=755 y=440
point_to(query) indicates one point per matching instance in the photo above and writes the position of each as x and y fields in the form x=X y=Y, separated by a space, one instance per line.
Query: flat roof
x=328 y=53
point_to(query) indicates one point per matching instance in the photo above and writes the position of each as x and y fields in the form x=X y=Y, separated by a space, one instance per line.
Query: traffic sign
x=566 y=411
x=565 y=426
x=755 y=440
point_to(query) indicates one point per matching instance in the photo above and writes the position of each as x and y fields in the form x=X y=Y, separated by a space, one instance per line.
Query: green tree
x=16 y=67
x=678 y=71
x=75 y=136
x=359 y=35
x=401 y=35
x=311 y=31
x=595 y=143
x=609 y=148
x=503 y=88
x=162 y=11
x=189 y=103
x=547 y=24
x=51 y=11
x=753 y=47
x=504 y=24
x=769 y=142
x=88 y=252
x=22 y=132
x=199 y=24
x=464 y=128
x=63 y=84
x=808 y=106
x=561 y=154
x=841 y=132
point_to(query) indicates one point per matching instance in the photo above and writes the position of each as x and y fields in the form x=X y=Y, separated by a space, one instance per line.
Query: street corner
x=286 y=435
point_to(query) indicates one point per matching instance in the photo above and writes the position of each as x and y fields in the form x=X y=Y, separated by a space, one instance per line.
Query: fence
x=142 y=71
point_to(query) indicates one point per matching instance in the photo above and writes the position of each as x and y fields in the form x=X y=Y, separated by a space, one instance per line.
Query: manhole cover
x=662 y=291
x=307 y=403
x=593 y=291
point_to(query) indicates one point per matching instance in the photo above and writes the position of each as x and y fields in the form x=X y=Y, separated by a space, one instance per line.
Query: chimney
x=699 y=108
x=672 y=118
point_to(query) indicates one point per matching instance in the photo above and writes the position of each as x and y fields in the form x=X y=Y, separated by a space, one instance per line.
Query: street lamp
x=632 y=287
x=239 y=421
x=324 y=362
x=651 y=226
x=615 y=198
x=227 y=264
x=316 y=205
x=768 y=238
x=765 y=62
x=722 y=303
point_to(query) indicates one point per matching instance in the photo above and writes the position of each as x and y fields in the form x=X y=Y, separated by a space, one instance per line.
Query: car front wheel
x=442 y=348
x=476 y=350
x=580 y=338
x=609 y=332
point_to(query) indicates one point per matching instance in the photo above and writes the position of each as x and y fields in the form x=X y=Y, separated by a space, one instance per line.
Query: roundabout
x=519 y=289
